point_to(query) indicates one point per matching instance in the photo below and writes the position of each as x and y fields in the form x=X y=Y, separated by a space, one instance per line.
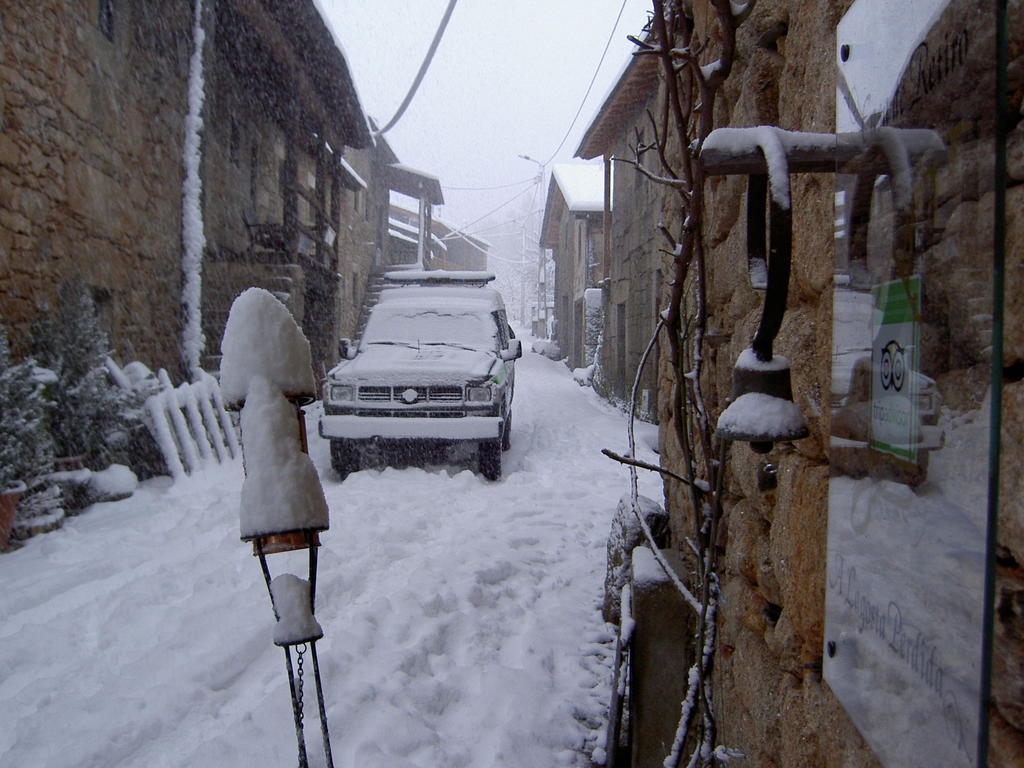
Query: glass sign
x=912 y=357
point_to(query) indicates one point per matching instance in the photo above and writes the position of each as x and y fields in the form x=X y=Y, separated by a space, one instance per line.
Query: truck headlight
x=478 y=394
x=340 y=392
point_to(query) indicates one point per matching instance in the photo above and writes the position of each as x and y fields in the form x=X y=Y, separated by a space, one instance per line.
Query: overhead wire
x=537 y=180
x=593 y=79
x=487 y=189
x=512 y=199
x=423 y=68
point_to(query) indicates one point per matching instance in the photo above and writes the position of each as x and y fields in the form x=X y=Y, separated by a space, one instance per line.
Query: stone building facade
x=573 y=228
x=91 y=131
x=91 y=168
x=771 y=699
x=632 y=275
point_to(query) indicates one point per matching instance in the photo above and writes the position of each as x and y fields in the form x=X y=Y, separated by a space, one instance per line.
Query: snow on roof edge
x=581 y=185
x=351 y=171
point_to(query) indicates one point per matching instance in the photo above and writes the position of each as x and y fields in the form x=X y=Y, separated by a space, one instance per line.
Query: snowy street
x=461 y=617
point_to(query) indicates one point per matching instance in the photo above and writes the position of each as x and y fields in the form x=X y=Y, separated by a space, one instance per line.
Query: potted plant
x=26 y=451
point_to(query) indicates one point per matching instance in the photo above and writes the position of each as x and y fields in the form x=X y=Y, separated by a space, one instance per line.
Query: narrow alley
x=462 y=618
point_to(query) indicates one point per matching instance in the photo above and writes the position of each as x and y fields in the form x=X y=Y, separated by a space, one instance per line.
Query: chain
x=300 y=650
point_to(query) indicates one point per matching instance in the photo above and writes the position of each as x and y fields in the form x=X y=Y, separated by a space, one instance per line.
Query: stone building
x=632 y=276
x=284 y=208
x=782 y=694
x=462 y=251
x=411 y=235
x=573 y=229
x=91 y=168
x=92 y=117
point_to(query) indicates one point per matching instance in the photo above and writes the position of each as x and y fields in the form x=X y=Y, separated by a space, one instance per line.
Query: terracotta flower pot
x=9 y=498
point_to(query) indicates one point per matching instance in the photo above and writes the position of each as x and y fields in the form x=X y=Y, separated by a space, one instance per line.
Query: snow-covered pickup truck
x=434 y=370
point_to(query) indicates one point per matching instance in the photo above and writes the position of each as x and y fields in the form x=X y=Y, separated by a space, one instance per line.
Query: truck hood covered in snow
x=427 y=364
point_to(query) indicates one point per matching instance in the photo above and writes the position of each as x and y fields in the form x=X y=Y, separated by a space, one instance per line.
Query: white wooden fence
x=189 y=422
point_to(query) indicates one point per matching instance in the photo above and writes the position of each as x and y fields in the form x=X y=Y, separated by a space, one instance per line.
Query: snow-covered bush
x=87 y=415
x=26 y=450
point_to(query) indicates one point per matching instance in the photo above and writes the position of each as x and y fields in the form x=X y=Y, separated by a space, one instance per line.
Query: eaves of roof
x=637 y=83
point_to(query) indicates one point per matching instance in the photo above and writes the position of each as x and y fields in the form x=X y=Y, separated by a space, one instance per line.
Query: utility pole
x=523 y=274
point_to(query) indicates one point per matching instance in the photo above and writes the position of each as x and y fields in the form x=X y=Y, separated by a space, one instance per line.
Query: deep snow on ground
x=461 y=617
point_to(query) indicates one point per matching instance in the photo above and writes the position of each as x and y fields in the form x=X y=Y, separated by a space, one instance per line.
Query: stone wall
x=772 y=703
x=91 y=134
x=771 y=700
x=1007 y=711
x=633 y=290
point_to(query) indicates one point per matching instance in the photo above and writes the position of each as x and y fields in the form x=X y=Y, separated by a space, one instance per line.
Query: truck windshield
x=414 y=326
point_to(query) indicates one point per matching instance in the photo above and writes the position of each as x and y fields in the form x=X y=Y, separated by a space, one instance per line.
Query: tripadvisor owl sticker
x=895 y=325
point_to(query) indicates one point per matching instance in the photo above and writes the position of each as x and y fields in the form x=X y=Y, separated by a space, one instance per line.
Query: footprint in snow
x=496 y=574
x=525 y=541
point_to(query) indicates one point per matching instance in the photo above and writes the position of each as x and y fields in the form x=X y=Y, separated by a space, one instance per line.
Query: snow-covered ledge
x=757 y=150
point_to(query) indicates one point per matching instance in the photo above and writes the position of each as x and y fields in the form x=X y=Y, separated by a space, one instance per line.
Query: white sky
x=506 y=80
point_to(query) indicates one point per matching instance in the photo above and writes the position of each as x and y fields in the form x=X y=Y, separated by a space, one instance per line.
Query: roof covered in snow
x=325 y=68
x=414 y=183
x=636 y=83
x=582 y=186
x=574 y=187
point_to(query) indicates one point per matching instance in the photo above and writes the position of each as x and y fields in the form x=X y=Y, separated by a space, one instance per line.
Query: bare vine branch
x=686 y=119
x=642 y=465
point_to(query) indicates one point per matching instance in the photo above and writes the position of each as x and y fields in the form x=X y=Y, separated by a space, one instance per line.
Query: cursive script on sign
x=909 y=645
x=929 y=65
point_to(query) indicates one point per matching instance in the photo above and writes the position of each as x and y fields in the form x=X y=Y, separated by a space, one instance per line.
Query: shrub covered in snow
x=87 y=414
x=548 y=348
x=26 y=450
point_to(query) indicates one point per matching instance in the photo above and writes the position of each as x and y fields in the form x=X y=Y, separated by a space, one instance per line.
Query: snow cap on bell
x=762 y=411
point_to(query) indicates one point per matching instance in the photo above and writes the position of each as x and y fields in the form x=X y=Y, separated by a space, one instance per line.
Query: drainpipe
x=606 y=220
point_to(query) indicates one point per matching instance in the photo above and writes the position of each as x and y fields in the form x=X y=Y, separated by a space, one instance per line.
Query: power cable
x=487 y=189
x=506 y=222
x=611 y=36
x=495 y=210
x=423 y=68
x=593 y=79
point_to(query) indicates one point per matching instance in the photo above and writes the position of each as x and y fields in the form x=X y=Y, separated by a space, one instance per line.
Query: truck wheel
x=506 y=433
x=490 y=459
x=344 y=459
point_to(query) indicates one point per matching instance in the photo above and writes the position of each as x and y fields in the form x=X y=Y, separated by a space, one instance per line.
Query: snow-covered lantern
x=266 y=372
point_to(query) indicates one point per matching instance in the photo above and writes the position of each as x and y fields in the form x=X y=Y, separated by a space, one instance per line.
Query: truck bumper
x=388 y=428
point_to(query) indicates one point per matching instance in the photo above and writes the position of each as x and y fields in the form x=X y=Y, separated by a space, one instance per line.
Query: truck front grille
x=412 y=414
x=437 y=394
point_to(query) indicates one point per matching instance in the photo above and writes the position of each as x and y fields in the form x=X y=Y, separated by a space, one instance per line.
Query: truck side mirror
x=514 y=351
x=345 y=349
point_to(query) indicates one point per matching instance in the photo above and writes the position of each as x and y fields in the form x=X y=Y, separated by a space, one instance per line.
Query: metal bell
x=762 y=411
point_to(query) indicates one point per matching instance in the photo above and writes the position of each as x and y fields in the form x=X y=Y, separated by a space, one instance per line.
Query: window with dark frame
x=105 y=19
